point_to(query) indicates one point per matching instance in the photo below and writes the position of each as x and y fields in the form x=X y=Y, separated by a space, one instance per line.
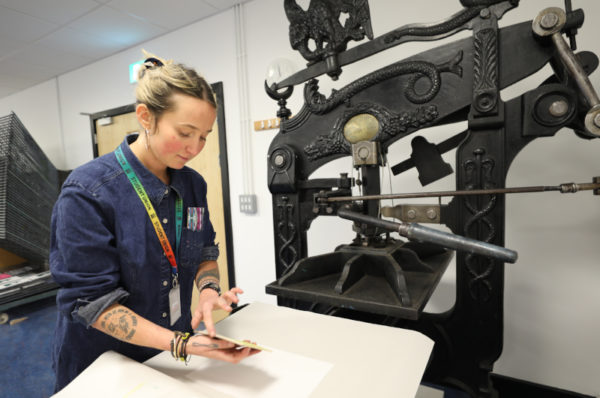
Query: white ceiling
x=40 y=39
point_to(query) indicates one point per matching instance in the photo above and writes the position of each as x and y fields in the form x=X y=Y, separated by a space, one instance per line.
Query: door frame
x=223 y=162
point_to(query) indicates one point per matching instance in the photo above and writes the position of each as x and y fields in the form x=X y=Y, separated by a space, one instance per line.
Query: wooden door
x=109 y=136
x=211 y=163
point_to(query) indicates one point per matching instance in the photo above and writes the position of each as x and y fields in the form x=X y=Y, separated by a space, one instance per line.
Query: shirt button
x=165 y=283
x=165 y=221
x=167 y=191
x=164 y=314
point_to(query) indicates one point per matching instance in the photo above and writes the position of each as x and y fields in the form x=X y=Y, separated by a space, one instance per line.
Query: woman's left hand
x=209 y=301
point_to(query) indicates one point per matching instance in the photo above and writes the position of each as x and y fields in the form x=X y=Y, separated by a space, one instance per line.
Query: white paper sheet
x=272 y=374
x=114 y=375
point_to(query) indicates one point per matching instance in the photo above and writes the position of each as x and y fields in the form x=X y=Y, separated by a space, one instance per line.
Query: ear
x=144 y=116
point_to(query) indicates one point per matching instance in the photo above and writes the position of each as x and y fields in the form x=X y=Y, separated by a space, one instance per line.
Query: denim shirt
x=104 y=250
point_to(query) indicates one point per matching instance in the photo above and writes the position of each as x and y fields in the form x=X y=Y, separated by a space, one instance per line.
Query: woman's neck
x=147 y=158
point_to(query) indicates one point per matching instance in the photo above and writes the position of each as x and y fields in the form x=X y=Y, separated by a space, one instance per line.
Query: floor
x=25 y=363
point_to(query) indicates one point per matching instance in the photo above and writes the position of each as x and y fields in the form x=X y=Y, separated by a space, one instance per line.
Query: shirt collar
x=155 y=188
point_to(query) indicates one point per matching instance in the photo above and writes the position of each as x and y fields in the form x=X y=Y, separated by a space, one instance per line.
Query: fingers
x=209 y=303
x=229 y=297
x=196 y=319
x=237 y=290
x=226 y=299
x=218 y=349
x=232 y=355
x=207 y=309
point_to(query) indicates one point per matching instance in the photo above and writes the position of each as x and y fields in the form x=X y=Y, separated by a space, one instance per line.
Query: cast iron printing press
x=386 y=279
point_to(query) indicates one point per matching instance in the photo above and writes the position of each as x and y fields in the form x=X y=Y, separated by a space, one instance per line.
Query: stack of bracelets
x=178 y=346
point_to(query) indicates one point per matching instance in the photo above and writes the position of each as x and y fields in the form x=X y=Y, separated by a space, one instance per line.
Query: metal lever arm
x=550 y=22
x=412 y=32
x=419 y=232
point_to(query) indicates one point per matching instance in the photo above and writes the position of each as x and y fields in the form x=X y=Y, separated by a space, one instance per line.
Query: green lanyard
x=160 y=232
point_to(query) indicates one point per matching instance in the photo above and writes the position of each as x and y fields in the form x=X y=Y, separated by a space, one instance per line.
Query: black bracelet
x=210 y=285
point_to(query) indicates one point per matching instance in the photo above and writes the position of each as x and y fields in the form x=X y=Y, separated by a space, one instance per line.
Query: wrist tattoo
x=119 y=323
x=212 y=274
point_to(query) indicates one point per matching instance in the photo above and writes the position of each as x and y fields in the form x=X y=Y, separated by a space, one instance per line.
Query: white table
x=368 y=360
x=348 y=358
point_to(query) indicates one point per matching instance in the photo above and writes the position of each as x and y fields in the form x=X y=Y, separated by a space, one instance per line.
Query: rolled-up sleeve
x=84 y=259
x=210 y=251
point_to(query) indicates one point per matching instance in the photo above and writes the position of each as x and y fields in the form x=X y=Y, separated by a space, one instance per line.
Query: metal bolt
x=431 y=214
x=411 y=214
x=597 y=120
x=549 y=21
x=558 y=108
x=363 y=153
x=329 y=210
x=485 y=13
x=279 y=160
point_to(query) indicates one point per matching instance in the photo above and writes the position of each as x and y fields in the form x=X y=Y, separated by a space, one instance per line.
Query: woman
x=131 y=235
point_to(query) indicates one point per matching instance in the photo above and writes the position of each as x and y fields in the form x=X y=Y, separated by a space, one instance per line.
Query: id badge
x=174 y=304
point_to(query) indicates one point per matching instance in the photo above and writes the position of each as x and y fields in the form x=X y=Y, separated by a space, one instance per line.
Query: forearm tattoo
x=119 y=323
x=213 y=345
x=209 y=273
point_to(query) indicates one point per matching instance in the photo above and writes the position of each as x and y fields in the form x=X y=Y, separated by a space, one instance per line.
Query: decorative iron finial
x=321 y=25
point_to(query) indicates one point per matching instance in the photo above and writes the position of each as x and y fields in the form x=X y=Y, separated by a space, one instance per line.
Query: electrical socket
x=248 y=204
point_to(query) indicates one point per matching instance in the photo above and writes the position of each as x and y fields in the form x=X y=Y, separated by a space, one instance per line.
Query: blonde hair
x=159 y=79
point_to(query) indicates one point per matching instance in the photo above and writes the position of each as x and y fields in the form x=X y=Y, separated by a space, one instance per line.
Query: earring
x=146 y=143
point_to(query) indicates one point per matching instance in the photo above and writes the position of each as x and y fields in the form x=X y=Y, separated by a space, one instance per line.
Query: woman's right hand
x=217 y=349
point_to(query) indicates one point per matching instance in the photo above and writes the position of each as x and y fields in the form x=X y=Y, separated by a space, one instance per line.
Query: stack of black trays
x=29 y=187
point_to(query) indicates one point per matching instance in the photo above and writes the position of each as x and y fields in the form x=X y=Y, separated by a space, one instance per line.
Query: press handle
x=444 y=239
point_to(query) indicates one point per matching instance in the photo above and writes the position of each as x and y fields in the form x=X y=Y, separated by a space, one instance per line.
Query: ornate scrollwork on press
x=287 y=234
x=486 y=3
x=478 y=174
x=392 y=124
x=485 y=70
x=321 y=24
x=433 y=30
x=318 y=104
x=326 y=145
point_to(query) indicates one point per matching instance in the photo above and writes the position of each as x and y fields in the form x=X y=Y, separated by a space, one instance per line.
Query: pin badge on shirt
x=195 y=216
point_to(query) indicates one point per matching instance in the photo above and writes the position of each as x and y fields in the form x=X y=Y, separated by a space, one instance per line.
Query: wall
x=551 y=297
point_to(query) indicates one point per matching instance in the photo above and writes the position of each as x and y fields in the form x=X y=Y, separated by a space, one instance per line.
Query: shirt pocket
x=192 y=243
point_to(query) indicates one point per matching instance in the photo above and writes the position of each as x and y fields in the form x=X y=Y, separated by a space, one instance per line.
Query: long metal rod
x=562 y=188
x=425 y=234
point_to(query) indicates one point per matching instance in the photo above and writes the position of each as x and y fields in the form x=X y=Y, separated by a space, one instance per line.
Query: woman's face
x=180 y=134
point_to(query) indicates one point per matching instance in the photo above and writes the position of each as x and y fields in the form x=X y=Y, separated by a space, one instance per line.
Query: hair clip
x=153 y=62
